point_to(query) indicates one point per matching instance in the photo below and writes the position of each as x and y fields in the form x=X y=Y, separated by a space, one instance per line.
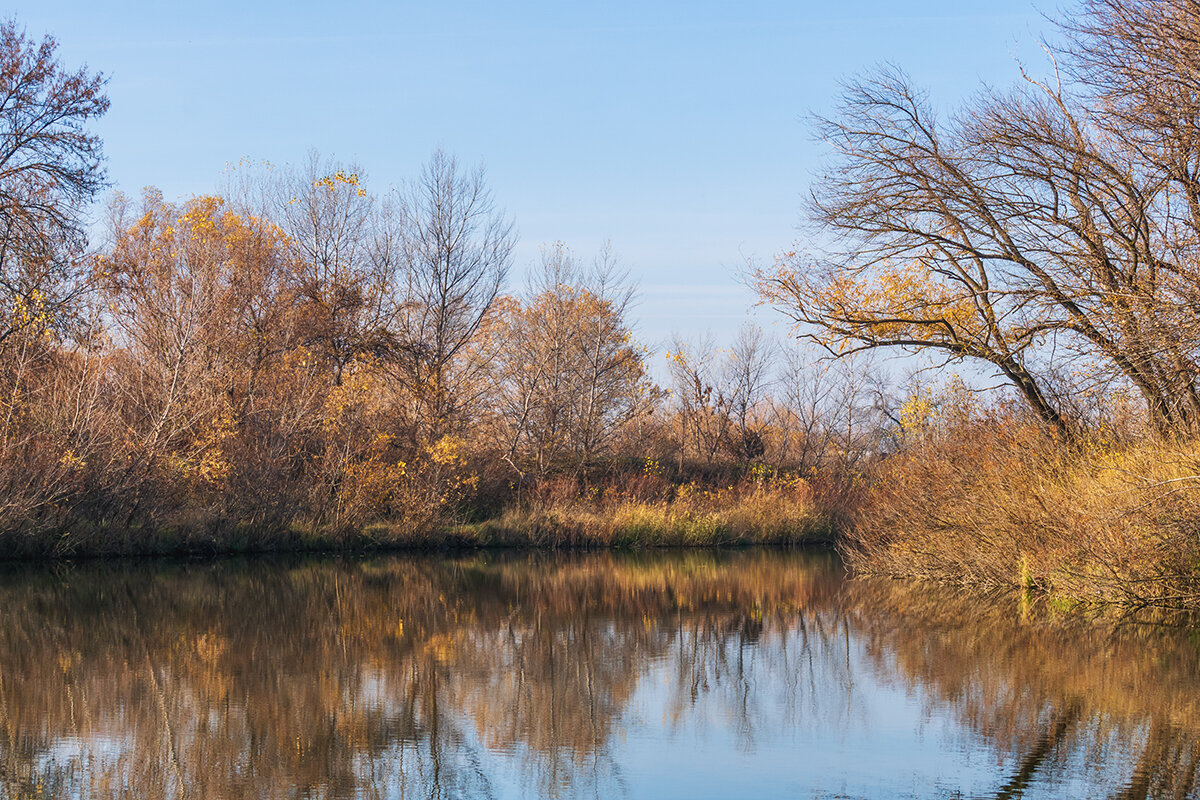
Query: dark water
x=693 y=675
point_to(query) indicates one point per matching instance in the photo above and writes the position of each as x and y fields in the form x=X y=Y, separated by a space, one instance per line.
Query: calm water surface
x=689 y=675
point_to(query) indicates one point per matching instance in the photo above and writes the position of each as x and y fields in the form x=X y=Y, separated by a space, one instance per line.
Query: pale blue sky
x=673 y=128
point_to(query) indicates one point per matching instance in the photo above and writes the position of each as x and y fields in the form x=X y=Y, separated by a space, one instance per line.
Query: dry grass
x=751 y=512
x=999 y=503
x=764 y=507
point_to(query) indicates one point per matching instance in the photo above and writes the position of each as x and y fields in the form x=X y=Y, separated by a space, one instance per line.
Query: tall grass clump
x=991 y=498
x=767 y=506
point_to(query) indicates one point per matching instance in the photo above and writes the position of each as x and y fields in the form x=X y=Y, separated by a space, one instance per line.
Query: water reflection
x=700 y=674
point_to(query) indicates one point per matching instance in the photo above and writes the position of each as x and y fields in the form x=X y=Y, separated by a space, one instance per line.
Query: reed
x=999 y=502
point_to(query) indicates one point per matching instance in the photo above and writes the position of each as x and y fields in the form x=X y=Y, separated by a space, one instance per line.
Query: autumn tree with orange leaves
x=195 y=299
x=569 y=380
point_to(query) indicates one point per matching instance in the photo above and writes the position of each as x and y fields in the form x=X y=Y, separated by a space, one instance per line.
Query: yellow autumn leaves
x=339 y=179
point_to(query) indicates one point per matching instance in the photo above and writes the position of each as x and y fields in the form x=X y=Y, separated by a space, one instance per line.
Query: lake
x=700 y=674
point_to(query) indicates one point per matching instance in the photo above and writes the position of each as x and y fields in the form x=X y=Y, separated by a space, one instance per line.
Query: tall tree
x=454 y=254
x=1018 y=232
x=51 y=166
x=341 y=288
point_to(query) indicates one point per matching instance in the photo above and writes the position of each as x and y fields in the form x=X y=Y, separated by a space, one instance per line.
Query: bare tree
x=746 y=375
x=829 y=411
x=1015 y=227
x=454 y=255
x=50 y=169
x=341 y=289
x=699 y=398
x=1141 y=59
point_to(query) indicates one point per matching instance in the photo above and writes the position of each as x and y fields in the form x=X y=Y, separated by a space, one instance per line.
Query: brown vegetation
x=986 y=496
x=301 y=363
x=765 y=507
x=1049 y=235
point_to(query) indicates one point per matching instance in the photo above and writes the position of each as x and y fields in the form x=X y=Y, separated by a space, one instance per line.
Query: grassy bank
x=982 y=500
x=761 y=508
x=754 y=516
x=998 y=503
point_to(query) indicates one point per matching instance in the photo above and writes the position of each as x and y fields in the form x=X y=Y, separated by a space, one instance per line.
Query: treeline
x=296 y=360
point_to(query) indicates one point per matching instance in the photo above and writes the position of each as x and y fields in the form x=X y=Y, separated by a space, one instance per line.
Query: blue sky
x=675 y=129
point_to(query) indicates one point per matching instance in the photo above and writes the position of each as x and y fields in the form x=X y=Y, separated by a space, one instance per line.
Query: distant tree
x=700 y=398
x=747 y=378
x=614 y=389
x=830 y=412
x=342 y=290
x=568 y=378
x=719 y=396
x=453 y=255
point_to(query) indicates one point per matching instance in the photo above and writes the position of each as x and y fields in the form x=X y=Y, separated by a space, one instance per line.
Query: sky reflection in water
x=691 y=675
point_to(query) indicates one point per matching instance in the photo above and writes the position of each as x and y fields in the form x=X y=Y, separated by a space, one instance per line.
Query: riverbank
x=986 y=502
x=742 y=513
x=1001 y=504
x=759 y=517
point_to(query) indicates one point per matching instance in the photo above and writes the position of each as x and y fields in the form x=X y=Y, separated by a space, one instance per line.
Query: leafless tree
x=342 y=290
x=700 y=402
x=829 y=412
x=50 y=169
x=746 y=378
x=454 y=255
x=1018 y=224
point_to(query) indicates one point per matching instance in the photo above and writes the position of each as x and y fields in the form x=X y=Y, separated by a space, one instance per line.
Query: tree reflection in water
x=572 y=676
